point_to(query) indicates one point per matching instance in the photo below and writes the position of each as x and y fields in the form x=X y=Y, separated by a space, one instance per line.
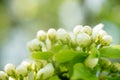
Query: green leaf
x=92 y=60
x=42 y=55
x=58 y=48
x=113 y=78
x=116 y=46
x=77 y=59
x=110 y=52
x=54 y=78
x=83 y=73
x=66 y=55
x=94 y=51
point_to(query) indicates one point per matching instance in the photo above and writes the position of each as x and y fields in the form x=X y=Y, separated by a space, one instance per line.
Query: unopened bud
x=34 y=45
x=45 y=72
x=98 y=32
x=36 y=66
x=22 y=70
x=3 y=76
x=105 y=63
x=52 y=34
x=10 y=70
x=106 y=40
x=98 y=27
x=87 y=30
x=63 y=36
x=73 y=40
x=77 y=29
x=41 y=35
x=83 y=39
x=115 y=67
x=99 y=36
x=26 y=64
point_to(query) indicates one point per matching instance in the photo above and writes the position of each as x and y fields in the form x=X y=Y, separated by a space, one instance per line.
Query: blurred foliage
x=45 y=13
x=5 y=21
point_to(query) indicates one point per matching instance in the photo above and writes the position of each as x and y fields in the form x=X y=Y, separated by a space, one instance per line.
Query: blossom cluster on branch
x=81 y=37
x=82 y=54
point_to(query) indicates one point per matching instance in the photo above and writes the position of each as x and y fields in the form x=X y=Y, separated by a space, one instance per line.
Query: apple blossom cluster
x=78 y=41
x=81 y=37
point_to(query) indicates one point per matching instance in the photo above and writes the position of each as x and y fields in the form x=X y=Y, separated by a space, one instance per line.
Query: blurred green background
x=21 y=19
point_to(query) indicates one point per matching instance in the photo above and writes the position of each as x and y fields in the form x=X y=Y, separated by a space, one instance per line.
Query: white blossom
x=77 y=29
x=10 y=69
x=52 y=33
x=83 y=39
x=73 y=40
x=87 y=30
x=26 y=64
x=22 y=70
x=3 y=76
x=96 y=30
x=46 y=72
x=106 y=40
x=62 y=35
x=41 y=35
x=34 y=45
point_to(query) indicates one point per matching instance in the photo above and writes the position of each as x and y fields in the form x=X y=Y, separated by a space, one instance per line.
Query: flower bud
x=99 y=36
x=91 y=62
x=26 y=64
x=106 y=40
x=63 y=36
x=45 y=72
x=115 y=67
x=87 y=30
x=36 y=66
x=41 y=35
x=98 y=32
x=77 y=29
x=52 y=34
x=105 y=63
x=73 y=40
x=34 y=45
x=83 y=40
x=98 y=27
x=10 y=70
x=3 y=76
x=22 y=70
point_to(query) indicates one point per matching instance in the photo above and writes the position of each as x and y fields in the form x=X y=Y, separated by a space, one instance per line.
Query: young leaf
x=77 y=59
x=58 y=48
x=42 y=55
x=94 y=51
x=54 y=78
x=66 y=55
x=116 y=46
x=83 y=73
x=92 y=60
x=110 y=52
x=113 y=78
